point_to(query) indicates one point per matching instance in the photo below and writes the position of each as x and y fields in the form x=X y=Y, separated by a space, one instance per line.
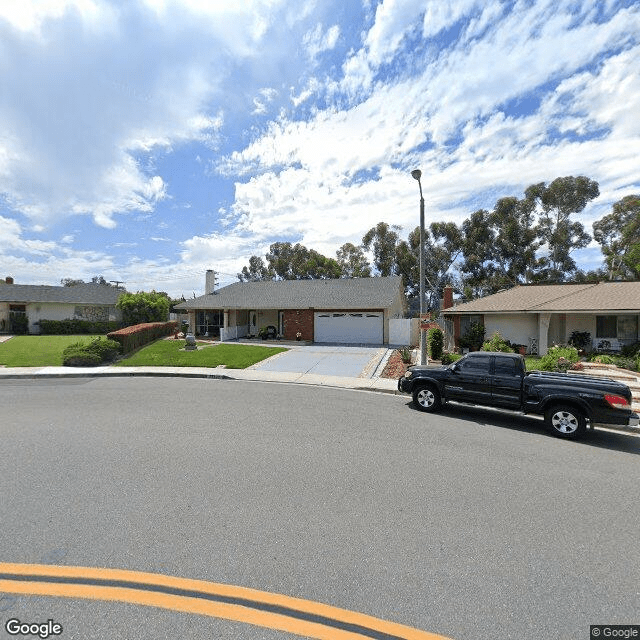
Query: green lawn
x=37 y=351
x=170 y=353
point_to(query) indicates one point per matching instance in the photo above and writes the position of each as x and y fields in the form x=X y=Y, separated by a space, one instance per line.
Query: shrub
x=603 y=359
x=474 y=336
x=435 y=340
x=627 y=363
x=80 y=358
x=448 y=358
x=405 y=354
x=80 y=354
x=72 y=327
x=18 y=323
x=138 y=335
x=630 y=350
x=580 y=339
x=143 y=307
x=497 y=343
x=107 y=350
x=558 y=358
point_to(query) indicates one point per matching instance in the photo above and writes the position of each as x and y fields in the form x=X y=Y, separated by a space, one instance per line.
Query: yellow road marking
x=240 y=604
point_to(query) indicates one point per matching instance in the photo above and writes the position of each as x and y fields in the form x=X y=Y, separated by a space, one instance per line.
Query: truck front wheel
x=427 y=398
x=566 y=422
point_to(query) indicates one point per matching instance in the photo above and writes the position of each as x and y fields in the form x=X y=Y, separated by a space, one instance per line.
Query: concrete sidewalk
x=383 y=385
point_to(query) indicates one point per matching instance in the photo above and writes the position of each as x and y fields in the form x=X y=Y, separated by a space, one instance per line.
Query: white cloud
x=318 y=41
x=84 y=92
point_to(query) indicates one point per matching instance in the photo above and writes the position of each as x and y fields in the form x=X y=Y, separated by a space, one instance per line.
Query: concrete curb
x=380 y=385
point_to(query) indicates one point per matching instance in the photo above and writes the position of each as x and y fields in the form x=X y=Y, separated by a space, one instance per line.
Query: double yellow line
x=301 y=617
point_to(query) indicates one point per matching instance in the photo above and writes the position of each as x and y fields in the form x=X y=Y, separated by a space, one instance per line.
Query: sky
x=150 y=140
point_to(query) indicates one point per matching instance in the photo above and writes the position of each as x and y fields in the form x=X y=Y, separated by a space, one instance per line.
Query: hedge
x=138 y=335
x=96 y=352
x=75 y=327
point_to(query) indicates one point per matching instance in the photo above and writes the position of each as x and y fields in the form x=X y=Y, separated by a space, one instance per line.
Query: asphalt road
x=468 y=524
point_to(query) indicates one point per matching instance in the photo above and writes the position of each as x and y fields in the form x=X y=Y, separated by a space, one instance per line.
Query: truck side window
x=505 y=367
x=476 y=364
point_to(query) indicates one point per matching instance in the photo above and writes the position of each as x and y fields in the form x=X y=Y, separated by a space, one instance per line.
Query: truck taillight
x=617 y=402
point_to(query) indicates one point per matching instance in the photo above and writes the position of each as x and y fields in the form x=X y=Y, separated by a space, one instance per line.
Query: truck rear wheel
x=566 y=421
x=427 y=398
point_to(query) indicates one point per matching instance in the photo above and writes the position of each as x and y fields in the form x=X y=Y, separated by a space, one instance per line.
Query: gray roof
x=619 y=297
x=343 y=293
x=80 y=294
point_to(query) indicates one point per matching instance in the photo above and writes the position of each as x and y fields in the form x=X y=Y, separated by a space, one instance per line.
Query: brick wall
x=298 y=320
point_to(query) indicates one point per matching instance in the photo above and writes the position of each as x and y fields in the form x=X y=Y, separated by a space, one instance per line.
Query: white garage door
x=350 y=328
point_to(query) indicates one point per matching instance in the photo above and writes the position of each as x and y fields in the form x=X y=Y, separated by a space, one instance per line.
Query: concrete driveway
x=336 y=360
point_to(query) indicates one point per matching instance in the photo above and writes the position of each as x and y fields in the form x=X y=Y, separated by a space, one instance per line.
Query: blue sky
x=150 y=140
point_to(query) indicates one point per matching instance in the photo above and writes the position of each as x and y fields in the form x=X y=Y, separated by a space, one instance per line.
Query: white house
x=43 y=302
x=539 y=316
x=345 y=310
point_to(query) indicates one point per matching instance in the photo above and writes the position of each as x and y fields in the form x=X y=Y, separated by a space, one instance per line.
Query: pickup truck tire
x=427 y=398
x=566 y=421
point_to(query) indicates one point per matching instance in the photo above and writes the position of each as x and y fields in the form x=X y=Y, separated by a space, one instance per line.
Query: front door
x=281 y=324
x=253 y=323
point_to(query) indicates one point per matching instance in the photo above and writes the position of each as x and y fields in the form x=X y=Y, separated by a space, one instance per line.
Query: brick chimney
x=447 y=303
x=9 y=280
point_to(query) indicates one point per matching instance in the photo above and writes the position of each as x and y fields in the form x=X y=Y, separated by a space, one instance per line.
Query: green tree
x=618 y=234
x=99 y=280
x=144 y=307
x=257 y=270
x=296 y=262
x=382 y=240
x=555 y=203
x=499 y=247
x=353 y=262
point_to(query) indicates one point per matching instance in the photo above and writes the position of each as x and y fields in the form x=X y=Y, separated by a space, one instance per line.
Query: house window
x=467 y=321
x=628 y=328
x=620 y=327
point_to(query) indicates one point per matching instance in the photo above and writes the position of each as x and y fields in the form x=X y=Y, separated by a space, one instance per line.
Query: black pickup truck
x=500 y=380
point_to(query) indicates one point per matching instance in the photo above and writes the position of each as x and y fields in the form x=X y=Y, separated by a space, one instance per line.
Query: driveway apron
x=351 y=361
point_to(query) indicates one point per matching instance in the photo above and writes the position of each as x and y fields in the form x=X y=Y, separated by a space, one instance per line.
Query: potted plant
x=580 y=340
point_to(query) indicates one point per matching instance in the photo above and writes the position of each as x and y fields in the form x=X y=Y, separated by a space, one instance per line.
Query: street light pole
x=417 y=174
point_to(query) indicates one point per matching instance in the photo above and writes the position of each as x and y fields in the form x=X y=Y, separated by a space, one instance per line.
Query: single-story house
x=347 y=310
x=43 y=302
x=539 y=316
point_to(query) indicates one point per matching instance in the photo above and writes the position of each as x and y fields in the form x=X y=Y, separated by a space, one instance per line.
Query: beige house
x=347 y=310
x=26 y=304
x=539 y=316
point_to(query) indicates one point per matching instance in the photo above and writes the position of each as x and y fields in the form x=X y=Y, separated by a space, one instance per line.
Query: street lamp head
x=416 y=174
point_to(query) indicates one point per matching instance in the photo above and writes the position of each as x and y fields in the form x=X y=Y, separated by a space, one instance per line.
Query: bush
x=71 y=327
x=143 y=307
x=630 y=350
x=580 y=339
x=474 y=336
x=18 y=323
x=448 y=358
x=80 y=354
x=435 y=340
x=603 y=359
x=627 y=363
x=107 y=350
x=80 y=358
x=497 y=343
x=141 y=334
x=559 y=358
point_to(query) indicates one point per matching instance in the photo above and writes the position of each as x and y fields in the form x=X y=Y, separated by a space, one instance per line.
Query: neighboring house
x=347 y=310
x=43 y=302
x=539 y=316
